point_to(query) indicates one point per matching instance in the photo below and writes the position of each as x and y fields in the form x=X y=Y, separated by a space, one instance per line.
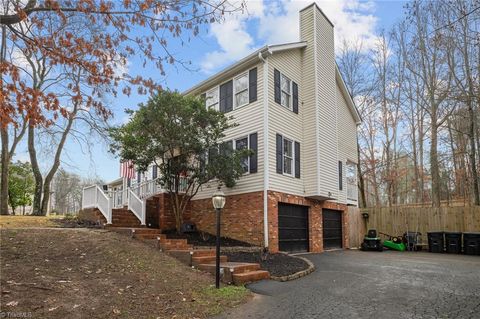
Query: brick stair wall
x=122 y=217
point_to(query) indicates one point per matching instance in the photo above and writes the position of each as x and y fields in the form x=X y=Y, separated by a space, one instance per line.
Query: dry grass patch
x=28 y=221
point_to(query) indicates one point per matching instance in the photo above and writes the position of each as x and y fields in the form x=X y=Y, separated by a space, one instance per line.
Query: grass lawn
x=28 y=221
x=89 y=273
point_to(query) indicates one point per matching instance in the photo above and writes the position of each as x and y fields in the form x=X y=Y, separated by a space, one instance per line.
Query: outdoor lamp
x=218 y=200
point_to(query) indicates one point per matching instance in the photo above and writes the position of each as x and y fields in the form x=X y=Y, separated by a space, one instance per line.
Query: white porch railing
x=135 y=197
x=137 y=205
x=94 y=197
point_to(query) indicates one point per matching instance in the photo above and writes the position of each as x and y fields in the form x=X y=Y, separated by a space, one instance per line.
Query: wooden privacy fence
x=398 y=220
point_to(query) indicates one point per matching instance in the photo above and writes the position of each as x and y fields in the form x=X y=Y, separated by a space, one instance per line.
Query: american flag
x=127 y=169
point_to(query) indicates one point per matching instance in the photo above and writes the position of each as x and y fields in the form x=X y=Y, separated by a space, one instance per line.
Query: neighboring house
x=294 y=111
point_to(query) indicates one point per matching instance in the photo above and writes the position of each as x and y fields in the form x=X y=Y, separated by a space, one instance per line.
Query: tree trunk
x=37 y=194
x=361 y=182
x=434 y=168
x=473 y=157
x=5 y=162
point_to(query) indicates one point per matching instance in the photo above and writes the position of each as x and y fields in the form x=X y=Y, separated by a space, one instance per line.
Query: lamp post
x=218 y=200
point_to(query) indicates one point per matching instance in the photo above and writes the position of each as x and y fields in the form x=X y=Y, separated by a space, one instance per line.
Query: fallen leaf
x=12 y=303
x=52 y=309
x=116 y=311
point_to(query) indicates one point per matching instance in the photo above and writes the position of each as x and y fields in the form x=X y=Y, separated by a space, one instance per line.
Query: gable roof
x=261 y=54
x=252 y=58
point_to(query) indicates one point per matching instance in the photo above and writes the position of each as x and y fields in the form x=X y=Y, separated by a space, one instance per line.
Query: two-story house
x=295 y=113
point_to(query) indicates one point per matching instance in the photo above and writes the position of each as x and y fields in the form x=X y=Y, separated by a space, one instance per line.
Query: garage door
x=332 y=229
x=292 y=228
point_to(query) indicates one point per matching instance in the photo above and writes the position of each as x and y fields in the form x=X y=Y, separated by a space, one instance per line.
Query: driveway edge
x=302 y=273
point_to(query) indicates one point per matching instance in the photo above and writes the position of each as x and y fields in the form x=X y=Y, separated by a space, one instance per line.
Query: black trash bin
x=435 y=242
x=471 y=243
x=453 y=242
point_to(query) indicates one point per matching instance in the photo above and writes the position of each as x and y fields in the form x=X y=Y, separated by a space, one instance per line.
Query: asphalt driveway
x=355 y=284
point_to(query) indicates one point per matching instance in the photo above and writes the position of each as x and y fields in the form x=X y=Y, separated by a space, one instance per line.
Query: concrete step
x=232 y=267
x=203 y=260
x=250 y=276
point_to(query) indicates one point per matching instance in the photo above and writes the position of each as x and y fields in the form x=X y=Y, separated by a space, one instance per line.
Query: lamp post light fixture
x=218 y=200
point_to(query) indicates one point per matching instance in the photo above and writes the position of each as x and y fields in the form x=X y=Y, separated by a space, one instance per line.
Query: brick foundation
x=242 y=218
x=160 y=212
x=92 y=215
x=314 y=219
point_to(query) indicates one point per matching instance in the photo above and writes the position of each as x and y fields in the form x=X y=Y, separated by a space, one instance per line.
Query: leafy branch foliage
x=182 y=137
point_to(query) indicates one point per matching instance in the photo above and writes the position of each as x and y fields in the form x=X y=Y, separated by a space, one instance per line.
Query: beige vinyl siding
x=326 y=104
x=250 y=120
x=308 y=104
x=284 y=121
x=347 y=139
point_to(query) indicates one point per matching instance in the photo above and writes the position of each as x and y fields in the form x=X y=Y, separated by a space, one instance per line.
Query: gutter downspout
x=265 y=149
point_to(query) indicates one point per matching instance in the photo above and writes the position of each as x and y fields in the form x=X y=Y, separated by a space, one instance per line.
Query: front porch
x=143 y=204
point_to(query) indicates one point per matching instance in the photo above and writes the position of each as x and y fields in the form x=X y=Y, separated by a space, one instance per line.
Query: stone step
x=205 y=260
x=250 y=276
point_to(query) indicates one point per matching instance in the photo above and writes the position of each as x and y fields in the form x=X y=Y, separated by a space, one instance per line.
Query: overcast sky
x=218 y=45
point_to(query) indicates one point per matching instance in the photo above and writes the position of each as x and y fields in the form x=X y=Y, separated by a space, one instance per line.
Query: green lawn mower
x=393 y=242
x=371 y=242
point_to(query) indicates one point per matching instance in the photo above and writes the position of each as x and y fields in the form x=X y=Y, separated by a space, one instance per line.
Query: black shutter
x=254 y=148
x=154 y=172
x=139 y=177
x=129 y=182
x=340 y=175
x=295 y=97
x=279 y=154
x=204 y=98
x=226 y=97
x=276 y=84
x=297 y=159
x=252 y=85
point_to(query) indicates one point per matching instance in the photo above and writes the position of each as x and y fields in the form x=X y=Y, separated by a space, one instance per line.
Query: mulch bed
x=205 y=239
x=277 y=264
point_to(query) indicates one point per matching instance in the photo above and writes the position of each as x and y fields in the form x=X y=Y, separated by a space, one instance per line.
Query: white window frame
x=284 y=156
x=248 y=147
x=215 y=105
x=290 y=100
x=235 y=106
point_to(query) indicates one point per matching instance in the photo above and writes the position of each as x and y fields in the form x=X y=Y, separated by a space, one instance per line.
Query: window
x=212 y=98
x=242 y=144
x=286 y=91
x=240 y=86
x=287 y=156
